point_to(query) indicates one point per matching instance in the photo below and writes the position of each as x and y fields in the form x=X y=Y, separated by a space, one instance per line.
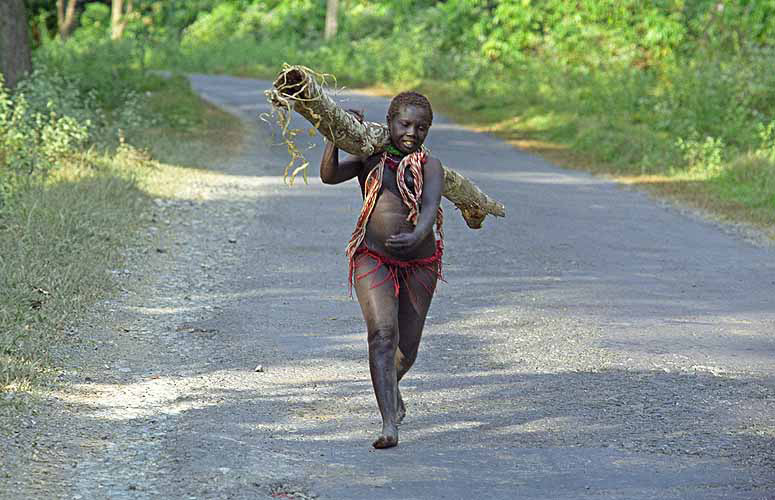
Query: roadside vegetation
x=675 y=95
x=86 y=141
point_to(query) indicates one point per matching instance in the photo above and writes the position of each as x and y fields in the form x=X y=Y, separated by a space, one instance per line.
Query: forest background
x=674 y=95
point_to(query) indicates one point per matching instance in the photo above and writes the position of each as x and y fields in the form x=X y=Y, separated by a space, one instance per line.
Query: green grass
x=193 y=132
x=62 y=236
x=57 y=245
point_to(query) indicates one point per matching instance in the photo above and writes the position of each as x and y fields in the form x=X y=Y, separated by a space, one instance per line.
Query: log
x=302 y=90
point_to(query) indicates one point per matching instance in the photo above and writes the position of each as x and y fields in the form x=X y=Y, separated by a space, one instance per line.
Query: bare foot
x=388 y=439
x=401 y=409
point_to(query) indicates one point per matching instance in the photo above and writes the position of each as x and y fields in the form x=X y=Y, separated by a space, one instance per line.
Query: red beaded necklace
x=393 y=157
x=392 y=162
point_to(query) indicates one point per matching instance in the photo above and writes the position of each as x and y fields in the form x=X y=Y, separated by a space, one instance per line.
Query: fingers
x=400 y=241
x=400 y=237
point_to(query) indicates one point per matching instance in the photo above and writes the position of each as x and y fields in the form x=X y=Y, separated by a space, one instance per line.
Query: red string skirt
x=396 y=269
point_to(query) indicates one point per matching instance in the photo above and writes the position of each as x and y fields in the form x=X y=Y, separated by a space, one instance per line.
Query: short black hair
x=409 y=98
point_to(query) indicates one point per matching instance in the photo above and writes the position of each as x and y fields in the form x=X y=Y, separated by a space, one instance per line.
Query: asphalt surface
x=593 y=344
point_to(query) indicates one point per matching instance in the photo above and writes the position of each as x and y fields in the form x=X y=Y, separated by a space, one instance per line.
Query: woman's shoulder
x=371 y=160
x=367 y=165
x=366 y=162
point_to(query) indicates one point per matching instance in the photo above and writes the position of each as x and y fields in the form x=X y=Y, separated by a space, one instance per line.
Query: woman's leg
x=380 y=310
x=414 y=300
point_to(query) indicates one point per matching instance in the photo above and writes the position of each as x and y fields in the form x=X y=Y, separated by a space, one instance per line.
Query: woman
x=395 y=259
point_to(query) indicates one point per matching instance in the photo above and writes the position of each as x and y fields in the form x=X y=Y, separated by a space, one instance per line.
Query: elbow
x=327 y=178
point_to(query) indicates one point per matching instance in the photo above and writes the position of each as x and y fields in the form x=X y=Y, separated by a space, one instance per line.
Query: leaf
x=303 y=169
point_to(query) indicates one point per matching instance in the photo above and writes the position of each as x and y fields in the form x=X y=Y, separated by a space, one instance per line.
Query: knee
x=383 y=338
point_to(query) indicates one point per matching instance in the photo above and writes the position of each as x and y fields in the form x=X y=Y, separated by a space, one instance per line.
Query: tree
x=66 y=17
x=332 y=10
x=119 y=17
x=15 y=57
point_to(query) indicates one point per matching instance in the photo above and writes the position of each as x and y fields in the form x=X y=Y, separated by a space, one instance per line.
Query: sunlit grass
x=63 y=235
x=57 y=245
x=193 y=132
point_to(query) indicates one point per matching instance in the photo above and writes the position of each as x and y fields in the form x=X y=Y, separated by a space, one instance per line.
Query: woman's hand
x=402 y=242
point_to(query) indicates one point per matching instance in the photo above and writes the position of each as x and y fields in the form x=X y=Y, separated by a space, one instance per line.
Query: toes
x=385 y=442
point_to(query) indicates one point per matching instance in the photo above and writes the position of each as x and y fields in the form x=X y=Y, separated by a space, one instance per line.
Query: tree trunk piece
x=298 y=88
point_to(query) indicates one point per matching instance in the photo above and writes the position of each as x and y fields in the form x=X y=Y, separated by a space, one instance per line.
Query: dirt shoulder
x=98 y=423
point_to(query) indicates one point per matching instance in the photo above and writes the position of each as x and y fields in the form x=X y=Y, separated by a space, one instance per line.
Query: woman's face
x=409 y=128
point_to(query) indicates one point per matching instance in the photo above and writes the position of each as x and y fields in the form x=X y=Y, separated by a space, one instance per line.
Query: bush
x=35 y=138
x=70 y=102
x=702 y=155
x=766 y=147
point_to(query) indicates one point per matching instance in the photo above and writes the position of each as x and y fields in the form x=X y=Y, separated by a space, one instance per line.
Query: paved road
x=594 y=344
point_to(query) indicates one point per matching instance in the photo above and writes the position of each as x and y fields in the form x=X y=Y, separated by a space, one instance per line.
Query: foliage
x=646 y=86
x=34 y=135
x=31 y=140
x=55 y=115
x=74 y=183
x=704 y=155
x=766 y=148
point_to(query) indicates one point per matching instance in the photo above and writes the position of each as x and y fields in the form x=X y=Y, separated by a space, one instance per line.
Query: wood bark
x=15 y=57
x=119 y=17
x=332 y=13
x=66 y=17
x=296 y=87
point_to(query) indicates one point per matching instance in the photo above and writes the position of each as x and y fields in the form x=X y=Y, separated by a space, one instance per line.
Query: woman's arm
x=433 y=183
x=332 y=171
